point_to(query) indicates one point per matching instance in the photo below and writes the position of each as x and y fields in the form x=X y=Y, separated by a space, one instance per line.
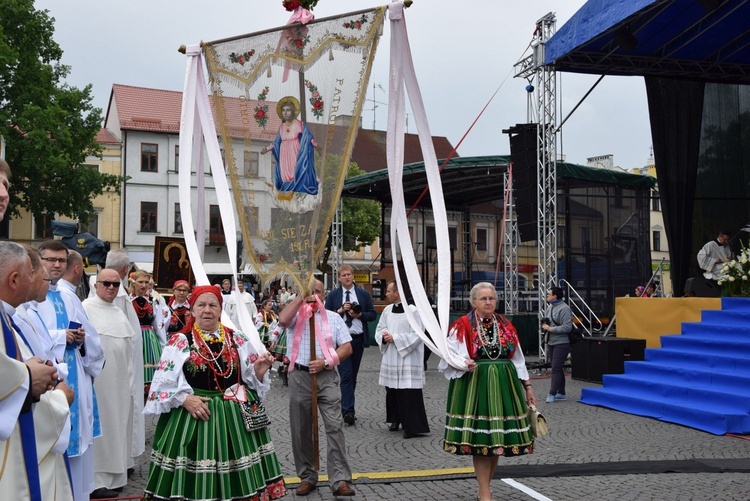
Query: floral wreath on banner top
x=291 y=5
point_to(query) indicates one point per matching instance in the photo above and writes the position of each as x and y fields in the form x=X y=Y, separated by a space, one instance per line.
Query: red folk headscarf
x=180 y=282
x=202 y=289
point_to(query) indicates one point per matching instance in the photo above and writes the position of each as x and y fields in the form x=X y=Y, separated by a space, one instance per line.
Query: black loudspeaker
x=700 y=286
x=523 y=154
x=595 y=356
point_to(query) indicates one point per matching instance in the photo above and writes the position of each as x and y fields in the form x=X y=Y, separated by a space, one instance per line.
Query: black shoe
x=131 y=471
x=349 y=419
x=393 y=427
x=103 y=493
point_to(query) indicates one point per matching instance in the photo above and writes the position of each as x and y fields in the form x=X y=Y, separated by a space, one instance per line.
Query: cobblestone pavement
x=388 y=467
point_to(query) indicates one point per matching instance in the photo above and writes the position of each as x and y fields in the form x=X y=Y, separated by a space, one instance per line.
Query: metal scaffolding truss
x=511 y=242
x=337 y=244
x=533 y=69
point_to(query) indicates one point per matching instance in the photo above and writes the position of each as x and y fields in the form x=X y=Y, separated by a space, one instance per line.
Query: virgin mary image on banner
x=295 y=182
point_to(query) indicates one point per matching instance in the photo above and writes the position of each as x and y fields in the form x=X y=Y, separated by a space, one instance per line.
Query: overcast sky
x=463 y=51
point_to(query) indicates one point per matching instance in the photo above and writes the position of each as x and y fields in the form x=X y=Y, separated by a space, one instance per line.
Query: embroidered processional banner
x=288 y=103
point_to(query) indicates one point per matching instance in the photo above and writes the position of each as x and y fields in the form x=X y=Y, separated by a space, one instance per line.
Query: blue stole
x=25 y=422
x=70 y=358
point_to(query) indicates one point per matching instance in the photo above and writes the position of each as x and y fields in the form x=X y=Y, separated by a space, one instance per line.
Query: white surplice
x=402 y=366
x=87 y=367
x=711 y=259
x=112 y=450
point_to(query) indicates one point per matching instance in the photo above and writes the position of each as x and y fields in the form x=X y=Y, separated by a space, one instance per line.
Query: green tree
x=361 y=221
x=49 y=127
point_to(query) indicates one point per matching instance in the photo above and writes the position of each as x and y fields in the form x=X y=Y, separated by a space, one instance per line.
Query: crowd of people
x=79 y=375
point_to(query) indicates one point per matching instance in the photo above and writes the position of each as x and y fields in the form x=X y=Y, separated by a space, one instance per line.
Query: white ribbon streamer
x=402 y=75
x=196 y=126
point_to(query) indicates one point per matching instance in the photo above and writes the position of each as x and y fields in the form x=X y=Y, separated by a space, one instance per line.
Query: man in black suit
x=355 y=306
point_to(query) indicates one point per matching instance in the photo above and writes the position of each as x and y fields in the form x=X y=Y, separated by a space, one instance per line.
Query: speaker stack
x=523 y=154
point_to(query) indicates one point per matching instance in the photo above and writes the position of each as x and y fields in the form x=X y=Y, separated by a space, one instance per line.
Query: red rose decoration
x=290 y=5
x=318 y=105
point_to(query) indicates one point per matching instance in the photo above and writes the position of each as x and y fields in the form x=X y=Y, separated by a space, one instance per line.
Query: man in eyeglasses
x=119 y=260
x=63 y=315
x=113 y=384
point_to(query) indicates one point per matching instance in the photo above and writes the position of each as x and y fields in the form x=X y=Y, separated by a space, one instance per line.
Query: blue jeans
x=348 y=370
x=557 y=354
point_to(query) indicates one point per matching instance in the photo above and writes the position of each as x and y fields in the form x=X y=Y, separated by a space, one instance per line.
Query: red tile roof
x=157 y=110
x=106 y=137
x=369 y=149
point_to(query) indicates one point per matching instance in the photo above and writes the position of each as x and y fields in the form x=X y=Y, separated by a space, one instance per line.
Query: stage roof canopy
x=706 y=40
x=469 y=181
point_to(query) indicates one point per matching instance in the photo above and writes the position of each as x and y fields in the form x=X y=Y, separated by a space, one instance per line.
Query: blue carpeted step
x=708 y=395
x=718 y=420
x=711 y=328
x=735 y=303
x=726 y=316
x=673 y=372
x=699 y=360
x=708 y=345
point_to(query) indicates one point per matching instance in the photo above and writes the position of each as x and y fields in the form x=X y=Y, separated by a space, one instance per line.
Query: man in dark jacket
x=355 y=306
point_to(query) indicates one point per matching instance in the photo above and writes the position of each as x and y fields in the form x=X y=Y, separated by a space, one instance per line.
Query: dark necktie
x=348 y=318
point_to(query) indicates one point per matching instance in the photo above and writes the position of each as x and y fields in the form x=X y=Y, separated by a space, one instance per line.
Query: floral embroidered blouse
x=466 y=342
x=182 y=368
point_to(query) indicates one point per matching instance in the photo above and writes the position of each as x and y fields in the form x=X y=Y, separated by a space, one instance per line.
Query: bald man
x=112 y=450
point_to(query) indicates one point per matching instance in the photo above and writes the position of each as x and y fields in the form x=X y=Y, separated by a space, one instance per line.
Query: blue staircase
x=700 y=378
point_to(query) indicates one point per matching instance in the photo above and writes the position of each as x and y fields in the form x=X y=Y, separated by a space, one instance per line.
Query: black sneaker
x=349 y=419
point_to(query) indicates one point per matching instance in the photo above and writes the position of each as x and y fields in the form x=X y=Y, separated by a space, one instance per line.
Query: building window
x=657 y=240
x=215 y=228
x=149 y=213
x=43 y=227
x=176 y=158
x=618 y=197
x=93 y=225
x=91 y=166
x=585 y=239
x=431 y=238
x=453 y=237
x=177 y=219
x=655 y=201
x=481 y=239
x=149 y=157
x=251 y=162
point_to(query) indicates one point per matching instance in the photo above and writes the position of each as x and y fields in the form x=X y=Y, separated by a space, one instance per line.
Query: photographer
x=558 y=325
x=355 y=306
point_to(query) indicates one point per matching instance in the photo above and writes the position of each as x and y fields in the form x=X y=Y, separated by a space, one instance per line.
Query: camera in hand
x=356 y=308
x=545 y=321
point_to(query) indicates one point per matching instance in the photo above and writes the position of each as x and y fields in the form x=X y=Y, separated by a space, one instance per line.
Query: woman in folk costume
x=487 y=404
x=277 y=346
x=211 y=440
x=149 y=316
x=266 y=321
x=179 y=308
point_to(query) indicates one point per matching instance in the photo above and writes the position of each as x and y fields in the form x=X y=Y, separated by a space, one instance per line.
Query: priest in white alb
x=112 y=450
x=402 y=366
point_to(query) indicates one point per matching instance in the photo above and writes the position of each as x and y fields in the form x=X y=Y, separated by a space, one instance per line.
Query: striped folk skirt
x=279 y=349
x=216 y=459
x=486 y=412
x=151 y=352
